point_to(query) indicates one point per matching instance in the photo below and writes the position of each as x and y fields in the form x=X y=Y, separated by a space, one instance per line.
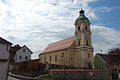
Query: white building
x=4 y=58
x=23 y=54
x=19 y=54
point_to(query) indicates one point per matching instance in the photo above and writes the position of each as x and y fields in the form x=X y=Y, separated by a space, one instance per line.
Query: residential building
x=114 y=63
x=13 y=51
x=19 y=54
x=100 y=61
x=73 y=51
x=4 y=58
x=109 y=62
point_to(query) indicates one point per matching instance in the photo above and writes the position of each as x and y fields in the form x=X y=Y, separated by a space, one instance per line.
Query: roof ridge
x=60 y=44
x=62 y=40
x=5 y=41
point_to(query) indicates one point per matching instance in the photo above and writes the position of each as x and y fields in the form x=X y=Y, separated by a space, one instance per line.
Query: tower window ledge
x=84 y=47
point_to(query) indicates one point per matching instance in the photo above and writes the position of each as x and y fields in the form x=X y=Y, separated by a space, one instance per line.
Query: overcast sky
x=37 y=23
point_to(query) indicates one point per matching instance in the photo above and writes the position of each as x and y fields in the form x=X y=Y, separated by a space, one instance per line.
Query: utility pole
x=101 y=51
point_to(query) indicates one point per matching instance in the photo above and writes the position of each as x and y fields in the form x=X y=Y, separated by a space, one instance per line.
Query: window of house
x=78 y=27
x=45 y=59
x=79 y=43
x=89 y=55
x=20 y=57
x=26 y=57
x=50 y=58
x=62 y=55
x=24 y=50
x=86 y=27
x=56 y=58
x=40 y=59
x=87 y=43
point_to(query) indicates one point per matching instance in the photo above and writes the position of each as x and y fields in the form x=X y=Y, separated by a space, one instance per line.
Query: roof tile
x=60 y=45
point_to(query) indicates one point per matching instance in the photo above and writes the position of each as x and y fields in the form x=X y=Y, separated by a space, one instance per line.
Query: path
x=12 y=78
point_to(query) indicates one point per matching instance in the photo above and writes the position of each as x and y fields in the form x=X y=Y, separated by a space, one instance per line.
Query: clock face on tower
x=87 y=36
x=83 y=30
x=78 y=37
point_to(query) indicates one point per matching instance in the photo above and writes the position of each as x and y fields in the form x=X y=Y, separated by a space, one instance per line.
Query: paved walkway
x=18 y=77
x=12 y=78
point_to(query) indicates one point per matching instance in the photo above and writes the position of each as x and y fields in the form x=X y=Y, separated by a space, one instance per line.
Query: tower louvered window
x=79 y=43
x=78 y=27
x=86 y=27
x=87 y=43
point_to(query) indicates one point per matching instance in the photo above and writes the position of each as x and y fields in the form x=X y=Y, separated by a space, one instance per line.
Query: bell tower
x=83 y=41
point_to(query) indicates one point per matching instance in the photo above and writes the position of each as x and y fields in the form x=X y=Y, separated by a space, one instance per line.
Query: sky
x=38 y=23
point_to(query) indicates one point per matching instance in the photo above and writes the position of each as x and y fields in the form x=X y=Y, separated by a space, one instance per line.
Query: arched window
x=79 y=43
x=62 y=55
x=50 y=58
x=56 y=58
x=78 y=27
x=87 y=43
x=89 y=55
x=85 y=27
x=45 y=59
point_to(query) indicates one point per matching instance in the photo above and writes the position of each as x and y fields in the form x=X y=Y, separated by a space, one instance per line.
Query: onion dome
x=82 y=16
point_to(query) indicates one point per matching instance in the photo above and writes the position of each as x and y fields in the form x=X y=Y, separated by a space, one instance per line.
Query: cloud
x=106 y=9
x=40 y=22
x=104 y=38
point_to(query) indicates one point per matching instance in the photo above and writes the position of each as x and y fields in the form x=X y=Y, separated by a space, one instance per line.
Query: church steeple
x=82 y=17
x=83 y=41
x=82 y=31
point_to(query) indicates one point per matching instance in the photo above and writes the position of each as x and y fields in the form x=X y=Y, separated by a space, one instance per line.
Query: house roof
x=14 y=49
x=103 y=56
x=60 y=45
x=18 y=47
x=27 y=48
x=4 y=41
x=114 y=51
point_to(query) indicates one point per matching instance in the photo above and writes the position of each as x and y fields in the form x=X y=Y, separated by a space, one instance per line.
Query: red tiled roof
x=60 y=45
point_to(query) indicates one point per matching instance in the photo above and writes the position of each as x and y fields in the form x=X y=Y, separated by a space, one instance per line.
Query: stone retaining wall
x=78 y=74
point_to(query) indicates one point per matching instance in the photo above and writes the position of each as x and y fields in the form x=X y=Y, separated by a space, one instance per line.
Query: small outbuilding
x=100 y=61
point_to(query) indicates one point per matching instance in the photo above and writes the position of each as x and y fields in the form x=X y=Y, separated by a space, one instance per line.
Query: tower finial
x=81 y=12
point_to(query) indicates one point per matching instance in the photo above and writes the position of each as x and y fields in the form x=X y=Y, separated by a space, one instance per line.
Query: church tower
x=83 y=42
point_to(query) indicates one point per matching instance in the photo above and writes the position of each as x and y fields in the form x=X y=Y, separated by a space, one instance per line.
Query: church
x=74 y=51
